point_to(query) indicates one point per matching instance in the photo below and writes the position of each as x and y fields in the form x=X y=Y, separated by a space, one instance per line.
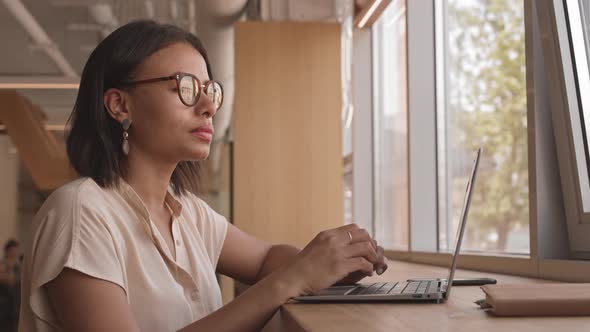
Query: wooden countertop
x=458 y=314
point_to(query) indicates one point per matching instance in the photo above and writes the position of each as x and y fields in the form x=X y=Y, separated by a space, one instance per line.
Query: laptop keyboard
x=414 y=287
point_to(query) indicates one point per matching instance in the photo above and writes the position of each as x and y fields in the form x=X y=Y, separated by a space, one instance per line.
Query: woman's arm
x=84 y=303
x=242 y=255
x=277 y=255
x=249 y=259
x=253 y=308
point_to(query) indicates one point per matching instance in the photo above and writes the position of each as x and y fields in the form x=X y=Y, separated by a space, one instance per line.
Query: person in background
x=10 y=286
x=129 y=246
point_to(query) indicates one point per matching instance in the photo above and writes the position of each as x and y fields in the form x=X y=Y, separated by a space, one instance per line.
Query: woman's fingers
x=344 y=253
x=381 y=264
x=361 y=249
x=361 y=235
x=366 y=251
x=355 y=242
x=352 y=233
x=359 y=264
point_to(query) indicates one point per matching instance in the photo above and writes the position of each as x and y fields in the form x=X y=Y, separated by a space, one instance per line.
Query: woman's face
x=162 y=126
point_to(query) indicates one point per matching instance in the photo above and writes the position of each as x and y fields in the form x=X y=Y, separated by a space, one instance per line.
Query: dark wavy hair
x=94 y=139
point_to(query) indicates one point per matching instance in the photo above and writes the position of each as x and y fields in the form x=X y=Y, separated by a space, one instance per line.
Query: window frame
x=362 y=130
x=422 y=131
x=565 y=108
x=552 y=269
x=379 y=34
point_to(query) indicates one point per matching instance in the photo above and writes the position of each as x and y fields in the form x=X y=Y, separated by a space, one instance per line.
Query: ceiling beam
x=40 y=37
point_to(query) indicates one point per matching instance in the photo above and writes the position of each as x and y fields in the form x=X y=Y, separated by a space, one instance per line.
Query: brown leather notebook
x=556 y=299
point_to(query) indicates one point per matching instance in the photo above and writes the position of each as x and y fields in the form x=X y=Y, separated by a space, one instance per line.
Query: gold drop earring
x=125 y=124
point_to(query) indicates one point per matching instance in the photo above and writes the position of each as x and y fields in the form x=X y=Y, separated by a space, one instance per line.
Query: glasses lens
x=214 y=91
x=188 y=91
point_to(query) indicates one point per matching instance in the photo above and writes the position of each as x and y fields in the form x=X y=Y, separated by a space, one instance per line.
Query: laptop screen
x=463 y=222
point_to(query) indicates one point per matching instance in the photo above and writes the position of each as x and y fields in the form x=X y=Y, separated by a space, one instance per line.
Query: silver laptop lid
x=461 y=230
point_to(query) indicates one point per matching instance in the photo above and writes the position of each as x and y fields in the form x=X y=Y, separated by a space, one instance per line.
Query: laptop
x=434 y=290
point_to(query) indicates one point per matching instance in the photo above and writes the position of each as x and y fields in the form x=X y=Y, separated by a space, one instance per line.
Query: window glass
x=483 y=104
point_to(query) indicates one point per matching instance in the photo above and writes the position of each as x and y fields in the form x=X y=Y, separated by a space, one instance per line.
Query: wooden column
x=287 y=130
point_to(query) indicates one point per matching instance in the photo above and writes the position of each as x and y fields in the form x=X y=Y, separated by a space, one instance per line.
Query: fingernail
x=380 y=271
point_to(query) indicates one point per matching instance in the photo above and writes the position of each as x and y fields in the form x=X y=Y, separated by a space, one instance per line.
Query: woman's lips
x=204 y=133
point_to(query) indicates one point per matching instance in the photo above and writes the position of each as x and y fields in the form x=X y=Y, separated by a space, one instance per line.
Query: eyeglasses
x=189 y=88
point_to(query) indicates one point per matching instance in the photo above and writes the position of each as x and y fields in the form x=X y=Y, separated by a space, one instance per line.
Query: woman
x=128 y=247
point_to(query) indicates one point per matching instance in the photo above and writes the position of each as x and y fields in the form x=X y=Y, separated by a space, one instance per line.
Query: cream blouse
x=107 y=233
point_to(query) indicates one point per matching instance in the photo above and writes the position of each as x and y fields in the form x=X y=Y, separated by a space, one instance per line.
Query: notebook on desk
x=435 y=290
x=542 y=299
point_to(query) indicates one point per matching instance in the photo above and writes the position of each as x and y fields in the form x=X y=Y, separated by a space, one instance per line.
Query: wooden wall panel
x=287 y=130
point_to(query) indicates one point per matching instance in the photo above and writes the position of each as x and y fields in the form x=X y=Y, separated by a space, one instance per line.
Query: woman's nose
x=205 y=106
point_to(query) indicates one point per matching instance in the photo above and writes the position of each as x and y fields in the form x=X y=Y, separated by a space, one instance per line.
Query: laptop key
x=412 y=287
x=386 y=288
x=433 y=288
x=359 y=289
x=375 y=288
x=398 y=288
x=422 y=287
x=370 y=289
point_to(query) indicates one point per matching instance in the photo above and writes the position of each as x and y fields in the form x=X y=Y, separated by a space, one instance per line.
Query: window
x=390 y=122
x=468 y=84
x=481 y=101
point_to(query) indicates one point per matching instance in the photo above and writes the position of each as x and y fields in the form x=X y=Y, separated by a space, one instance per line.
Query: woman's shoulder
x=65 y=203
x=75 y=192
x=194 y=203
x=200 y=211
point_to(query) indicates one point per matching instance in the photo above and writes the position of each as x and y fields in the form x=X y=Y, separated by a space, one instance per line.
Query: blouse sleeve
x=69 y=233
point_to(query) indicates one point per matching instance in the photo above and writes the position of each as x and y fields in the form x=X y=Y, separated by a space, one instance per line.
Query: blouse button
x=178 y=243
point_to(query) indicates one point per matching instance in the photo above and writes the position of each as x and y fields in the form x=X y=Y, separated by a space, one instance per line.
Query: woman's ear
x=116 y=103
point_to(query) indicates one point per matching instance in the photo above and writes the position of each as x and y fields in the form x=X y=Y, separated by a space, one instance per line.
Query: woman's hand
x=342 y=255
x=357 y=276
